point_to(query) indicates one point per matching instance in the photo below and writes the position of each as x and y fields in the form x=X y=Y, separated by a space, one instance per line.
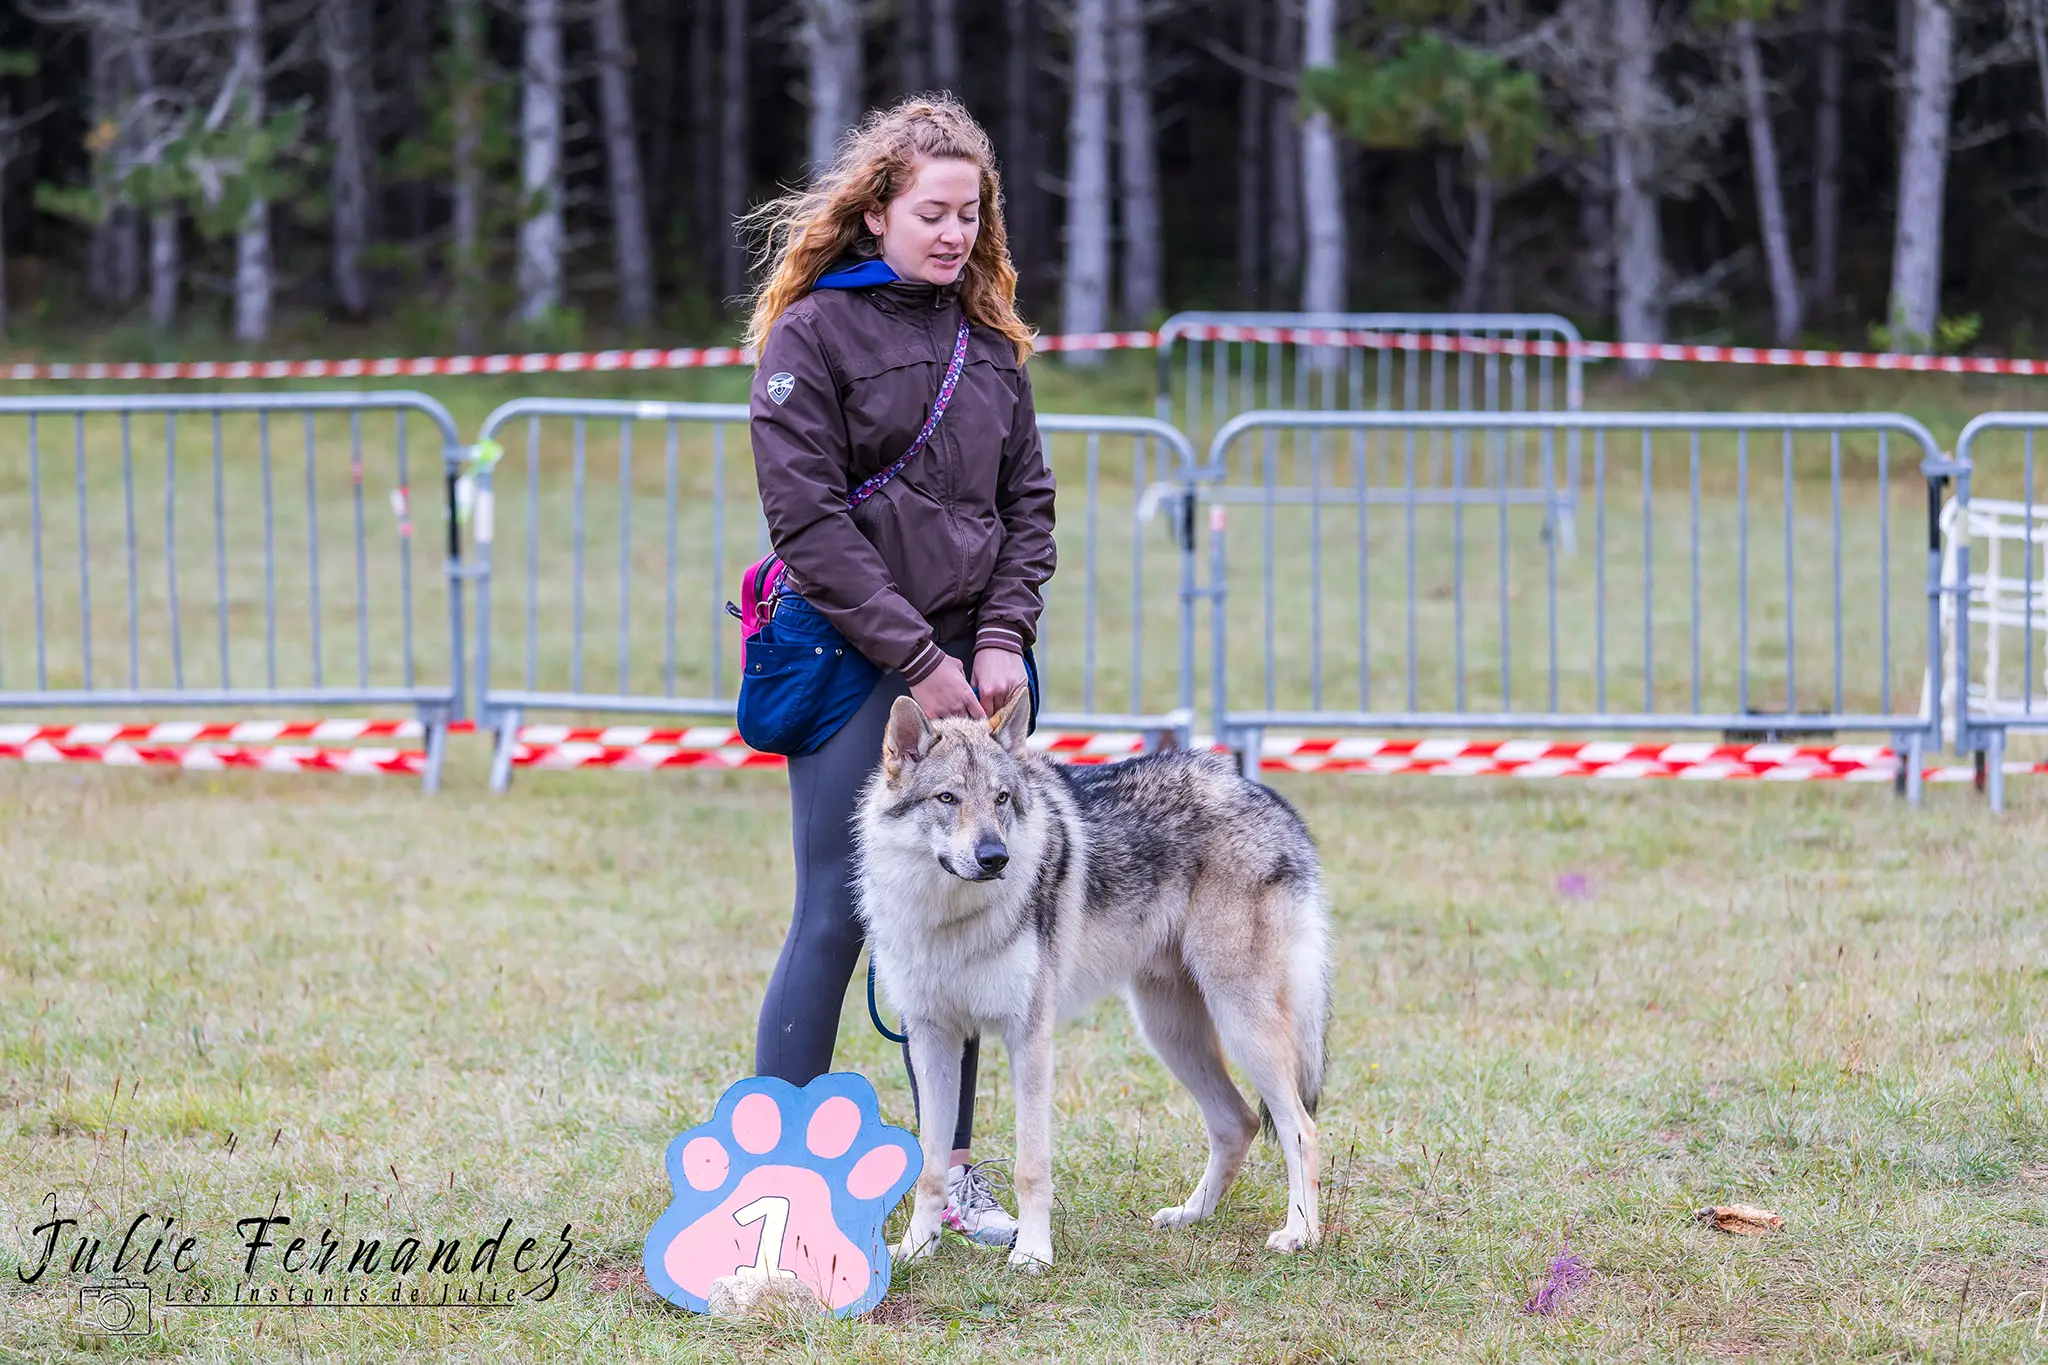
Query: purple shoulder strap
x=952 y=380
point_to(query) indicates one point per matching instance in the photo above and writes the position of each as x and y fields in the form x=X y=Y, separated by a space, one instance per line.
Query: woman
x=936 y=576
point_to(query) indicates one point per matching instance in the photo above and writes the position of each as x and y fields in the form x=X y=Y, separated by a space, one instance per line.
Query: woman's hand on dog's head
x=998 y=676
x=944 y=692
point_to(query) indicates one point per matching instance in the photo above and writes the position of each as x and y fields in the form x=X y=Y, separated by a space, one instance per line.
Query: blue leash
x=875 y=1013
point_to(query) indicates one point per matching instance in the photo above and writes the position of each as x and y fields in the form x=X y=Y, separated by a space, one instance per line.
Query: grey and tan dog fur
x=1002 y=893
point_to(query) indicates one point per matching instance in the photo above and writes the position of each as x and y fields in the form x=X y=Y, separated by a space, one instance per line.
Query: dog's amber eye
x=944 y=798
x=1002 y=798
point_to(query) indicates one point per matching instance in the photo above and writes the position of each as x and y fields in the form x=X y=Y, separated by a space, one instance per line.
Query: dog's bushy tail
x=1308 y=980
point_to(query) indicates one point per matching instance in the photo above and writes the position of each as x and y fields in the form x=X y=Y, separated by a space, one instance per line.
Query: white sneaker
x=972 y=1210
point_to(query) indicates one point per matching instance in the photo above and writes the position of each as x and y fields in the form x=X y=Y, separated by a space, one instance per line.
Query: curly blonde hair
x=805 y=232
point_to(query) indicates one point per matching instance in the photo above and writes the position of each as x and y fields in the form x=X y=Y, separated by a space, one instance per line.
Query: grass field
x=1567 y=1015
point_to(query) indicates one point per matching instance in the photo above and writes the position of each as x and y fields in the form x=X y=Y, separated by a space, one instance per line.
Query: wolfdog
x=1001 y=892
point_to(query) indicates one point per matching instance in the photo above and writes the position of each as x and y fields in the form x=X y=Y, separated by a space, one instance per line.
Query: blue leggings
x=800 y=1016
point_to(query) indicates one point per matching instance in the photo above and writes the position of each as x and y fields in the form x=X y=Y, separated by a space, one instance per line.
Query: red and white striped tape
x=646 y=749
x=254 y=745
x=282 y=758
x=697 y=738
x=1715 y=766
x=643 y=749
x=1306 y=749
x=1612 y=350
x=223 y=732
x=390 y=367
x=1099 y=341
x=713 y=357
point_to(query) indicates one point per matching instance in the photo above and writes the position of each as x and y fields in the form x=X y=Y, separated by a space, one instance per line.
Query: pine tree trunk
x=130 y=44
x=913 y=67
x=540 y=163
x=1024 y=197
x=164 y=261
x=1827 y=158
x=1084 y=293
x=1596 y=231
x=630 y=254
x=732 y=141
x=946 y=45
x=1902 y=64
x=164 y=269
x=342 y=50
x=254 y=282
x=1923 y=172
x=832 y=59
x=1283 y=260
x=1251 y=147
x=1478 y=250
x=113 y=237
x=658 y=57
x=6 y=115
x=417 y=83
x=1137 y=167
x=127 y=252
x=708 y=229
x=466 y=192
x=2038 y=31
x=1322 y=181
x=1638 y=236
x=1770 y=199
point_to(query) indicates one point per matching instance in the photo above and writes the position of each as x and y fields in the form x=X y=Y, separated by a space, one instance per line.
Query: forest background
x=1867 y=173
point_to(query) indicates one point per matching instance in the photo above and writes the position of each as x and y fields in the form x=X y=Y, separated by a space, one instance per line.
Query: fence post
x=483 y=543
x=1190 y=590
x=1219 y=644
x=452 y=460
x=1965 y=742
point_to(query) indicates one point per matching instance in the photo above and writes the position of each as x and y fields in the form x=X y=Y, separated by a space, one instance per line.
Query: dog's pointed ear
x=1009 y=724
x=907 y=739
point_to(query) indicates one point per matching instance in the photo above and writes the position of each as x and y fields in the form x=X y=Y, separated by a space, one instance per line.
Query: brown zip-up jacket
x=962 y=538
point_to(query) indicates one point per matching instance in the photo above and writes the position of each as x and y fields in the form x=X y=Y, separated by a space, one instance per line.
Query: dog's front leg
x=1030 y=1045
x=935 y=1056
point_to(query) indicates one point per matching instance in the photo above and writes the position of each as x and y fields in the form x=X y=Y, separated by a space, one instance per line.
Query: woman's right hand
x=945 y=692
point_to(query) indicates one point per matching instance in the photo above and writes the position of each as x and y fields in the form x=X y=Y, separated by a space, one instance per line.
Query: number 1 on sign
x=772 y=1212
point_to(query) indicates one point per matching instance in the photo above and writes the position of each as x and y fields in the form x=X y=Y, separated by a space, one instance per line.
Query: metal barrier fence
x=610 y=535
x=232 y=550
x=258 y=548
x=1379 y=377
x=1994 y=455
x=1705 y=545
x=1217 y=383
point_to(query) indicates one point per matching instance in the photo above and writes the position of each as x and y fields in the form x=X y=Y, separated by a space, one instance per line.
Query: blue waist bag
x=802 y=680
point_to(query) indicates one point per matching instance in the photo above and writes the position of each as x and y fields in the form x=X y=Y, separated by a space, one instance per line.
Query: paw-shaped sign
x=784 y=1184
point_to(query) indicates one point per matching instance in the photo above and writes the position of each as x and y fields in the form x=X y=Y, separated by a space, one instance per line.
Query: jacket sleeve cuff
x=1006 y=638
x=925 y=663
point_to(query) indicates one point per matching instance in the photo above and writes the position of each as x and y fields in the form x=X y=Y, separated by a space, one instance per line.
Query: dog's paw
x=917 y=1246
x=1027 y=1260
x=1179 y=1216
x=803 y=1167
x=1033 y=1253
x=1290 y=1239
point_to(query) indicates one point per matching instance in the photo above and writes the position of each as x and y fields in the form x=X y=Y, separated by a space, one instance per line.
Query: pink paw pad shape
x=784 y=1182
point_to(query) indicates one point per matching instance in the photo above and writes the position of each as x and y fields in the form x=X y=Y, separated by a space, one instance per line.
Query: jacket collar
x=874 y=278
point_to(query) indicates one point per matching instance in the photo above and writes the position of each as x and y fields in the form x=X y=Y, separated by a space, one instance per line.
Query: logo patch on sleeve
x=780 y=385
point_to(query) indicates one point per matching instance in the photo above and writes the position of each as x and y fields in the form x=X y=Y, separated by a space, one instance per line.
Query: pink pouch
x=758 y=589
